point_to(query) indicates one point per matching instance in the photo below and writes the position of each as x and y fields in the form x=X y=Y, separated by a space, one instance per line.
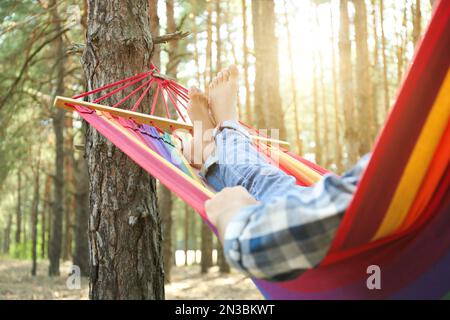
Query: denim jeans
x=236 y=162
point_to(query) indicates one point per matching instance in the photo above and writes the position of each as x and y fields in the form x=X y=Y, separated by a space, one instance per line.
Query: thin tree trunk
x=124 y=224
x=268 y=108
x=230 y=41
x=58 y=127
x=337 y=140
x=165 y=209
x=401 y=47
x=383 y=54
x=206 y=248
x=195 y=36
x=44 y=215
x=154 y=28
x=417 y=22
x=363 y=80
x=316 y=115
x=218 y=24
x=81 y=251
x=298 y=140
x=186 y=233
x=248 y=107
x=207 y=76
x=375 y=71
x=34 y=218
x=7 y=235
x=346 y=81
x=325 y=145
x=19 y=208
x=69 y=188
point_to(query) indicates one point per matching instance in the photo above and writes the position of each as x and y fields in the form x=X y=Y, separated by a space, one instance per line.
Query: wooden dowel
x=163 y=123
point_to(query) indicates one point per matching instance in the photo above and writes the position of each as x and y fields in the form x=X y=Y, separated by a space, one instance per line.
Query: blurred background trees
x=324 y=72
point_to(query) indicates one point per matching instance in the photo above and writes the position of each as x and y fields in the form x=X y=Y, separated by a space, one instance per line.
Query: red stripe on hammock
x=399 y=136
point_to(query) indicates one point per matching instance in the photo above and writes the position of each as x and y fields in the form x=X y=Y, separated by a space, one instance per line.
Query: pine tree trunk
x=187 y=219
x=206 y=248
x=375 y=71
x=69 y=188
x=45 y=215
x=317 y=138
x=346 y=81
x=154 y=28
x=298 y=141
x=124 y=224
x=165 y=209
x=7 y=235
x=207 y=76
x=34 y=221
x=363 y=80
x=58 y=127
x=19 y=208
x=324 y=117
x=337 y=139
x=383 y=54
x=248 y=107
x=195 y=40
x=417 y=22
x=81 y=251
x=268 y=108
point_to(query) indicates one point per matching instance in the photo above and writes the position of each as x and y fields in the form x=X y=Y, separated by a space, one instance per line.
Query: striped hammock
x=399 y=218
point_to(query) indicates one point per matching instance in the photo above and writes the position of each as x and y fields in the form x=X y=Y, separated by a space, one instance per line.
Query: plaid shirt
x=280 y=239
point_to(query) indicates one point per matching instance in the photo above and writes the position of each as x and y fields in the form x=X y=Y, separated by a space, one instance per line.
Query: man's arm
x=282 y=238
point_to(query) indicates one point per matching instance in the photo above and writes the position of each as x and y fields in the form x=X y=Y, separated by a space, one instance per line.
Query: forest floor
x=16 y=282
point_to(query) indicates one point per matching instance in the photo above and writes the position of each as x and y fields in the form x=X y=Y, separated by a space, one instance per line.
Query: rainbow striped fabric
x=399 y=219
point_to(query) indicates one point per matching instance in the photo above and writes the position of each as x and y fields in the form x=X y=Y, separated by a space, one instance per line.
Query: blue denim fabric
x=236 y=162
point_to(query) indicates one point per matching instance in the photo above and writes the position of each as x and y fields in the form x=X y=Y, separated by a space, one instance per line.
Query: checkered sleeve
x=292 y=233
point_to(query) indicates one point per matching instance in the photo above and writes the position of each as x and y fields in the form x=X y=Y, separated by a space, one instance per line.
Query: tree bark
x=58 y=127
x=69 y=185
x=363 y=80
x=337 y=137
x=186 y=232
x=346 y=81
x=19 y=208
x=7 y=235
x=81 y=251
x=383 y=54
x=317 y=138
x=248 y=107
x=323 y=115
x=298 y=141
x=154 y=28
x=268 y=108
x=124 y=224
x=45 y=215
x=206 y=248
x=165 y=209
x=34 y=220
x=417 y=22
x=207 y=76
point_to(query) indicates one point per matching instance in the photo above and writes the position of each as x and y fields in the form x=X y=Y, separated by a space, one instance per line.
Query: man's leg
x=235 y=161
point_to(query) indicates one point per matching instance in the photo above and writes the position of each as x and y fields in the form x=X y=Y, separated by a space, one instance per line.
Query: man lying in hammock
x=270 y=227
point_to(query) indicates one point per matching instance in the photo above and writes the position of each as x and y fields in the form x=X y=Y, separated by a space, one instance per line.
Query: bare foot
x=201 y=146
x=223 y=95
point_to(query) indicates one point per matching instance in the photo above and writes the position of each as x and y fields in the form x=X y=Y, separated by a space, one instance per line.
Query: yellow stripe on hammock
x=175 y=170
x=294 y=165
x=418 y=163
